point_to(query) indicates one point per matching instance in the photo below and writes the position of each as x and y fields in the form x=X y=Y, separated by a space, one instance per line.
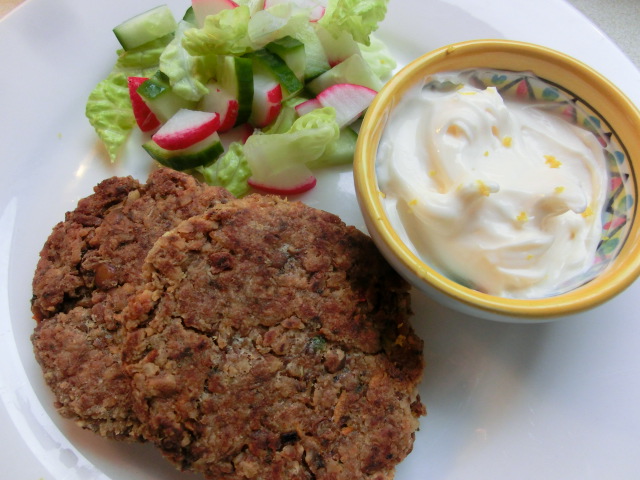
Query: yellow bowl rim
x=607 y=285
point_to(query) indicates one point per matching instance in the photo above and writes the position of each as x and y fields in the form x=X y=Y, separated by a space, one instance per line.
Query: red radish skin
x=223 y=103
x=186 y=128
x=230 y=115
x=297 y=189
x=145 y=118
x=317 y=13
x=267 y=101
x=307 y=106
x=349 y=101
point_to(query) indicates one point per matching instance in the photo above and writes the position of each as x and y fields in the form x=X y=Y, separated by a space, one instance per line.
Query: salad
x=246 y=93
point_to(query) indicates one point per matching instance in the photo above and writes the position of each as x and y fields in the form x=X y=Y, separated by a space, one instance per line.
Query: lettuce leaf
x=358 y=17
x=109 y=112
x=230 y=171
x=379 y=58
x=275 y=22
x=254 y=5
x=187 y=73
x=108 y=107
x=225 y=33
x=304 y=142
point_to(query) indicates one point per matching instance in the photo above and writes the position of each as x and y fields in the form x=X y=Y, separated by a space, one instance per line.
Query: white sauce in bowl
x=495 y=193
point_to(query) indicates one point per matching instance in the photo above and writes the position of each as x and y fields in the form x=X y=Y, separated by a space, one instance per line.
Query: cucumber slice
x=292 y=52
x=199 y=154
x=337 y=48
x=316 y=61
x=160 y=98
x=147 y=26
x=235 y=76
x=353 y=70
x=280 y=70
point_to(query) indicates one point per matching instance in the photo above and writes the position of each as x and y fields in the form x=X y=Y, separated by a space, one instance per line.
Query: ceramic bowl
x=573 y=90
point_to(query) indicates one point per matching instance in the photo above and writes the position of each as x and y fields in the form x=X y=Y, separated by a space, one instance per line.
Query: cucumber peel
x=145 y=27
x=200 y=154
x=160 y=97
x=235 y=75
x=278 y=67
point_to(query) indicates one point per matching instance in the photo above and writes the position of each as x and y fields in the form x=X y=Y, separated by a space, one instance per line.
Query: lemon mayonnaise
x=496 y=193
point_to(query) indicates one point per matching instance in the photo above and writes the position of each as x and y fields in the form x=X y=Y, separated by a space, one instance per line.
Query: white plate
x=553 y=401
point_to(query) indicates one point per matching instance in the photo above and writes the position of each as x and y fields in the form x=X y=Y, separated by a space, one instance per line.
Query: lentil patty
x=272 y=341
x=89 y=267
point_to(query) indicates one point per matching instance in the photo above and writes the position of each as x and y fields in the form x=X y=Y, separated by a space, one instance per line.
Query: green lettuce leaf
x=275 y=22
x=320 y=122
x=304 y=142
x=225 y=33
x=379 y=58
x=187 y=73
x=108 y=107
x=109 y=111
x=230 y=171
x=358 y=17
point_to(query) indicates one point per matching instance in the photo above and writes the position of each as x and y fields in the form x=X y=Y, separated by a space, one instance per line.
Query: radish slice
x=145 y=118
x=292 y=180
x=274 y=169
x=307 y=106
x=186 y=128
x=203 y=8
x=349 y=101
x=267 y=99
x=223 y=103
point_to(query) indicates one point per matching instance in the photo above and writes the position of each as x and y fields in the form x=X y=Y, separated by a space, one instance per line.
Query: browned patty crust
x=88 y=269
x=272 y=342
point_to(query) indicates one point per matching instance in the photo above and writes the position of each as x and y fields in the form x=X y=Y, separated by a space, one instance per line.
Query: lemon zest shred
x=587 y=212
x=552 y=161
x=483 y=188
